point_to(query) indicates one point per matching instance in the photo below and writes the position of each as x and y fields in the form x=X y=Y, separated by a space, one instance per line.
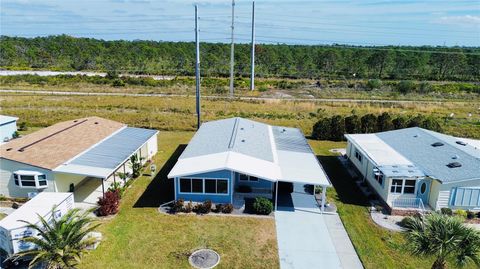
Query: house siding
x=201 y=197
x=7 y=184
x=7 y=130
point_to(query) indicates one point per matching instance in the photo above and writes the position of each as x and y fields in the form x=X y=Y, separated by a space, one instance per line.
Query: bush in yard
x=227 y=209
x=470 y=214
x=374 y=84
x=188 y=208
x=461 y=213
x=218 y=208
x=446 y=211
x=262 y=206
x=177 y=206
x=108 y=204
x=204 y=208
x=406 y=86
x=116 y=186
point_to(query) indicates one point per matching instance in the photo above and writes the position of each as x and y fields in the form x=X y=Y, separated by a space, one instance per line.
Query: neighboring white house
x=8 y=126
x=81 y=155
x=414 y=167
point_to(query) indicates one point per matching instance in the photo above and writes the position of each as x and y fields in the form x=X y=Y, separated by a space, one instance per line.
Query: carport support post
x=324 y=196
x=103 y=188
x=276 y=195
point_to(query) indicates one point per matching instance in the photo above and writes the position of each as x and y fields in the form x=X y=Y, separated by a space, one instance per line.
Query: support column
x=114 y=178
x=103 y=188
x=324 y=197
x=276 y=195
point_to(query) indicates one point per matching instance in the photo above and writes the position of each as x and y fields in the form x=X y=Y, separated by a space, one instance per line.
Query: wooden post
x=103 y=188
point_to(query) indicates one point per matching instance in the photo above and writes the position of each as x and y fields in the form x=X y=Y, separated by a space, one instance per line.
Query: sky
x=360 y=22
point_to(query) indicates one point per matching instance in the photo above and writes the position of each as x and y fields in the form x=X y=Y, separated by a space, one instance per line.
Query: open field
x=141 y=237
x=178 y=113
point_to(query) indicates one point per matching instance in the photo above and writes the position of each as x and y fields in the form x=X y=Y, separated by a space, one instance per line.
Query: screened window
x=466 y=197
x=200 y=185
x=244 y=177
x=396 y=186
x=210 y=186
x=185 y=185
x=378 y=176
x=409 y=186
x=33 y=179
x=197 y=185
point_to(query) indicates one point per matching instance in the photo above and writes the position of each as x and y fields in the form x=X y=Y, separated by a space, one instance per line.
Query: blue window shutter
x=474 y=199
x=467 y=194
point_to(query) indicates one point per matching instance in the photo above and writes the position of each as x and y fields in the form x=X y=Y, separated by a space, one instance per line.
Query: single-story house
x=8 y=126
x=414 y=167
x=226 y=154
x=77 y=155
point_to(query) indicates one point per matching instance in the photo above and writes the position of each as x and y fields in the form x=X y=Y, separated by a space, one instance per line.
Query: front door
x=423 y=190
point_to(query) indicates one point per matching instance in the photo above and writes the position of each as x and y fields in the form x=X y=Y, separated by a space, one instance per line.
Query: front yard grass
x=141 y=237
x=377 y=248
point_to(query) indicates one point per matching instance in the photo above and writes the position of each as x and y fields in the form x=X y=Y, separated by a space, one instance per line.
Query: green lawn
x=143 y=238
x=377 y=247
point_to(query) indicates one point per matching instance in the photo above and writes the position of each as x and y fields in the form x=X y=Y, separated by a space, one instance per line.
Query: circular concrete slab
x=204 y=259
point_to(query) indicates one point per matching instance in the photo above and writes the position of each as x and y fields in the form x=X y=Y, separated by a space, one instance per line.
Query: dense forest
x=290 y=61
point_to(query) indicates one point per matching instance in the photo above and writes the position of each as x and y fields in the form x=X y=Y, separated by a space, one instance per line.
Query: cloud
x=465 y=20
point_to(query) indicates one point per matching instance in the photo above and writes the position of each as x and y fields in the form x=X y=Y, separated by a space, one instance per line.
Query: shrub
x=406 y=86
x=470 y=214
x=403 y=222
x=118 y=83
x=204 y=208
x=177 y=206
x=188 y=208
x=218 y=208
x=262 y=206
x=108 y=204
x=446 y=211
x=478 y=214
x=2 y=197
x=116 y=186
x=22 y=126
x=461 y=213
x=15 y=134
x=227 y=209
x=373 y=84
x=244 y=189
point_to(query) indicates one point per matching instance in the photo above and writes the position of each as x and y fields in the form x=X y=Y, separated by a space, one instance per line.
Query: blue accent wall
x=201 y=197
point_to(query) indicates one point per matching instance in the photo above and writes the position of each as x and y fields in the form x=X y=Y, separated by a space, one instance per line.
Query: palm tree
x=444 y=238
x=59 y=243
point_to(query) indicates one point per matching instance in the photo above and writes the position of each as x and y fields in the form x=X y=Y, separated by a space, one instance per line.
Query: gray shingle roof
x=415 y=144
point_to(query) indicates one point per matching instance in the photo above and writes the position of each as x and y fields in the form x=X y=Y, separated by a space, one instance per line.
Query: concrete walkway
x=308 y=239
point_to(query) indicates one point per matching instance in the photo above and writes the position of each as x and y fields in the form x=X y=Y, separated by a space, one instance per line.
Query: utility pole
x=252 y=78
x=197 y=67
x=232 y=50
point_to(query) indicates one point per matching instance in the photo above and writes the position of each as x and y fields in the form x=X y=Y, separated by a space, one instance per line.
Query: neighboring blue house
x=227 y=154
x=8 y=126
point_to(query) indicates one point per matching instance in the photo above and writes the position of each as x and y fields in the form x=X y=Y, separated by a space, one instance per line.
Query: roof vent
x=96 y=122
x=241 y=128
x=454 y=165
x=21 y=150
x=415 y=135
x=437 y=144
x=243 y=140
x=455 y=157
x=461 y=143
x=9 y=149
x=75 y=120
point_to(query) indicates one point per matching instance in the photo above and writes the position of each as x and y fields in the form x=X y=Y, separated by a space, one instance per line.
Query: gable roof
x=7 y=119
x=415 y=145
x=54 y=145
x=245 y=146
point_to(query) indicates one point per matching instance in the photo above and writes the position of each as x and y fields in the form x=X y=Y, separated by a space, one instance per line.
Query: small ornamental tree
x=136 y=165
x=262 y=206
x=109 y=204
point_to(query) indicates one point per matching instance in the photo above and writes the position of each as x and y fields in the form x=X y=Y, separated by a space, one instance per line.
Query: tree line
x=290 y=61
x=335 y=127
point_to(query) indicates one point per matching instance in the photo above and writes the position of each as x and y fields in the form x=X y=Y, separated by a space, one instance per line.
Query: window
x=185 y=185
x=409 y=186
x=244 y=177
x=466 y=196
x=358 y=156
x=201 y=185
x=30 y=179
x=396 y=186
x=378 y=176
x=210 y=186
x=197 y=185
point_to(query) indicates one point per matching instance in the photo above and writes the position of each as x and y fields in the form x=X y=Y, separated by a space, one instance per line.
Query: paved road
x=243 y=98
x=308 y=239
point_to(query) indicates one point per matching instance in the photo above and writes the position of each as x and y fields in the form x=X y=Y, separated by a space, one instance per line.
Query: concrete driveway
x=308 y=239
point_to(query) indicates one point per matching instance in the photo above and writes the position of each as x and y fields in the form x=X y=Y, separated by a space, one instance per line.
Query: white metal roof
x=41 y=204
x=378 y=151
x=282 y=155
x=6 y=119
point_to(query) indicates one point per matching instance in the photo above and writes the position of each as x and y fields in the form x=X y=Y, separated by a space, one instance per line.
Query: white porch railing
x=414 y=203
